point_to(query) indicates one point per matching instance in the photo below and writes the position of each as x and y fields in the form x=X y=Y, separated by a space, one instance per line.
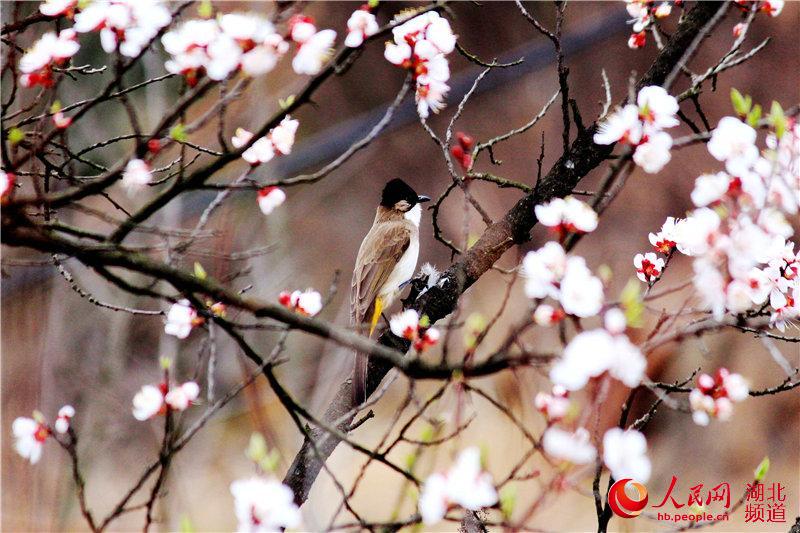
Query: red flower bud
x=154 y=146
x=285 y=299
x=466 y=141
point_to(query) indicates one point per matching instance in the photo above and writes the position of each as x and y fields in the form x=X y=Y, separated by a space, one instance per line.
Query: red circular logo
x=622 y=504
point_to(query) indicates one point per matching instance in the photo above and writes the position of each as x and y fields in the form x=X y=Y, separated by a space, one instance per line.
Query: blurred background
x=58 y=348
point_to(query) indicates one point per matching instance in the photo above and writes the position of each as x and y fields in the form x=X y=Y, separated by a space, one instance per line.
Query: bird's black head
x=397 y=194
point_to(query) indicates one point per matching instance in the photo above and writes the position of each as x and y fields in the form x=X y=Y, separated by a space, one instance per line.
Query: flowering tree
x=737 y=238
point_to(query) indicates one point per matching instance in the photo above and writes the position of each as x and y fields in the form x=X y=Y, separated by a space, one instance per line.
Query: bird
x=386 y=260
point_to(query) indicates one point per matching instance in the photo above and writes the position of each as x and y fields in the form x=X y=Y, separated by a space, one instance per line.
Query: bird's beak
x=422 y=198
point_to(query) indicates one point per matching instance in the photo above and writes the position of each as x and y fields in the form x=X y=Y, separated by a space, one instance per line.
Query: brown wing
x=379 y=253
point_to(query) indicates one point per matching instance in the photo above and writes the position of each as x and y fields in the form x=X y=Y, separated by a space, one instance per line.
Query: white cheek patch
x=414 y=215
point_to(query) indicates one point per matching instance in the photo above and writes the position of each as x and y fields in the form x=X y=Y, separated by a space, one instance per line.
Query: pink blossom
x=641 y=126
x=218 y=48
x=614 y=321
x=152 y=400
x=695 y=233
x=259 y=152
x=549 y=272
x=279 y=141
x=406 y=325
x=301 y=28
x=430 y=95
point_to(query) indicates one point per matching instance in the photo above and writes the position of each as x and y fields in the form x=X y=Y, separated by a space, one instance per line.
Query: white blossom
x=49 y=50
x=733 y=142
x=554 y=405
x=547 y=315
x=464 y=484
x=180 y=319
x=573 y=447
x=614 y=321
x=264 y=504
x=29 y=437
x=65 y=415
x=137 y=175
x=314 y=53
x=654 y=154
x=269 y=198
x=694 y=234
x=148 y=402
x=648 y=266
x=360 y=25
x=420 y=46
x=542 y=268
x=56 y=8
x=710 y=188
x=581 y=292
x=625 y=454
x=307 y=303
x=657 y=107
x=129 y=25
x=6 y=183
x=282 y=135
x=664 y=240
x=182 y=396
x=622 y=125
x=405 y=324
x=591 y=353
x=567 y=214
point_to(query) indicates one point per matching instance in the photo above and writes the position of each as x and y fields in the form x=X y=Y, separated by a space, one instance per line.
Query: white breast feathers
x=414 y=215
